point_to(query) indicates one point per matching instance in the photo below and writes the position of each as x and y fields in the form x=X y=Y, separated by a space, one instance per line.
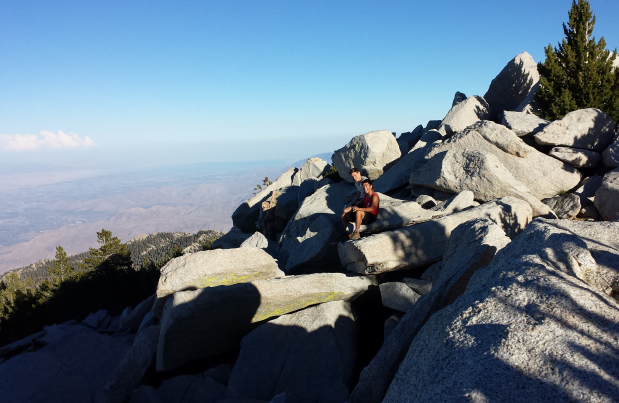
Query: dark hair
x=353 y=170
x=366 y=181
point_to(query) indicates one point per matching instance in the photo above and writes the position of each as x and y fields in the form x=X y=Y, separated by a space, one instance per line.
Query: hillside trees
x=106 y=281
x=579 y=73
x=111 y=253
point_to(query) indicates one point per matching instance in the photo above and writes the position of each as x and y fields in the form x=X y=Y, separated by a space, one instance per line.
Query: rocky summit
x=491 y=273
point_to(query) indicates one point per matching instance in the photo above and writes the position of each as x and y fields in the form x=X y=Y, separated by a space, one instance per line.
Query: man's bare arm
x=371 y=208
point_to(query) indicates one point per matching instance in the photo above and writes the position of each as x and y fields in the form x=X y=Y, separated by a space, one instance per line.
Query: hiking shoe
x=354 y=235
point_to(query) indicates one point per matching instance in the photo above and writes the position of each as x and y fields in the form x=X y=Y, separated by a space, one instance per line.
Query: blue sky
x=154 y=82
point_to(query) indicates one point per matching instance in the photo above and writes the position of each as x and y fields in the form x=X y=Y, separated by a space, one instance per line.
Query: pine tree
x=61 y=270
x=579 y=73
x=112 y=253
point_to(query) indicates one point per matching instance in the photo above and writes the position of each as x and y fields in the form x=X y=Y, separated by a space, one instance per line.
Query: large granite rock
x=233 y=239
x=212 y=268
x=565 y=206
x=407 y=140
x=246 y=215
x=328 y=201
x=398 y=296
x=544 y=176
x=399 y=174
x=73 y=365
x=522 y=330
x=213 y=320
x=589 y=128
x=422 y=244
x=369 y=153
x=395 y=213
x=576 y=157
x=607 y=196
x=309 y=354
x=464 y=114
x=508 y=89
x=313 y=168
x=523 y=124
x=482 y=174
x=128 y=374
x=315 y=247
x=472 y=245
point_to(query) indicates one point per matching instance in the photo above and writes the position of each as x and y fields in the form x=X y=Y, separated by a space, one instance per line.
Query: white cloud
x=46 y=139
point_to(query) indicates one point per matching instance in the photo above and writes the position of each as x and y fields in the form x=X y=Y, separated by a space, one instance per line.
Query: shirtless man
x=363 y=215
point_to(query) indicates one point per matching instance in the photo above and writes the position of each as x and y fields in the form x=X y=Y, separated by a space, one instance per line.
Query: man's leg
x=358 y=219
x=346 y=218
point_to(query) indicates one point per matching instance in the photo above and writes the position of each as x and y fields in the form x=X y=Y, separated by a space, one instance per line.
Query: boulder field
x=491 y=273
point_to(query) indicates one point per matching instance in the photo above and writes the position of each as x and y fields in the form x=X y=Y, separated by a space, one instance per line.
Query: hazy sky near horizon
x=86 y=83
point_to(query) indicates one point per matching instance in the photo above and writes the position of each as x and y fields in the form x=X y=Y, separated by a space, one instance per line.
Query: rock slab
x=308 y=354
x=213 y=320
x=212 y=268
x=422 y=244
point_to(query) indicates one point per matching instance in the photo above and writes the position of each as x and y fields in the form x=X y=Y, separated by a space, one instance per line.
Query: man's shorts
x=367 y=218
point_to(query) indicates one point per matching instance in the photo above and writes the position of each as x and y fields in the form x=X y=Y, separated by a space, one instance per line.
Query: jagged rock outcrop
x=513 y=84
x=576 y=157
x=607 y=196
x=213 y=320
x=458 y=97
x=422 y=244
x=212 y=268
x=482 y=174
x=520 y=319
x=407 y=140
x=544 y=176
x=399 y=174
x=370 y=153
x=246 y=215
x=473 y=245
x=313 y=168
x=589 y=128
x=464 y=114
x=523 y=124
x=309 y=354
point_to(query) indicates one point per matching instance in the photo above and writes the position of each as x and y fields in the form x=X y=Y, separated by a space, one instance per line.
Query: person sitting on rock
x=358 y=200
x=363 y=215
